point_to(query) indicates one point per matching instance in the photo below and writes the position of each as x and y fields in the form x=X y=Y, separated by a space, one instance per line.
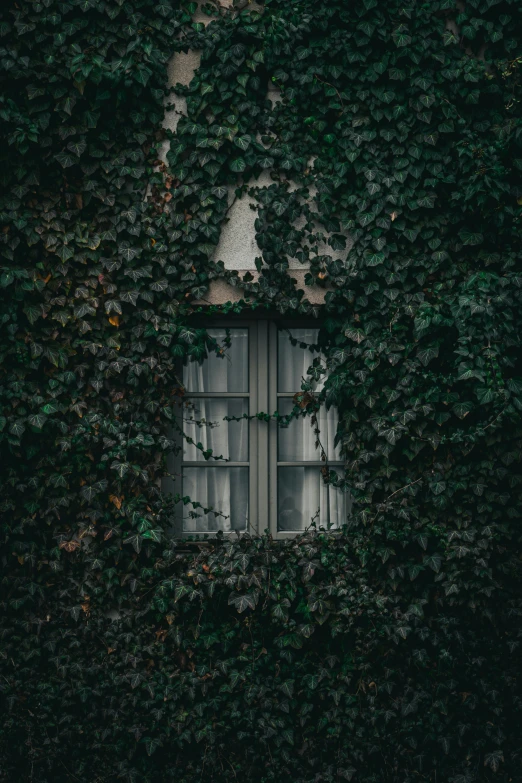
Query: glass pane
x=204 y=423
x=293 y=361
x=226 y=373
x=303 y=497
x=297 y=441
x=225 y=490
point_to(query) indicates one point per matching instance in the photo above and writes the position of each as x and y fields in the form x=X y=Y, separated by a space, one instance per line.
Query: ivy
x=391 y=136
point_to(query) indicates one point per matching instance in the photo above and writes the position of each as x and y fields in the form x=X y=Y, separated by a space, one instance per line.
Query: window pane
x=293 y=361
x=223 y=489
x=226 y=373
x=297 y=441
x=303 y=497
x=204 y=423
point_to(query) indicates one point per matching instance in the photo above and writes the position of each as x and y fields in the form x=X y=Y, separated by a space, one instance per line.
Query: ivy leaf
x=471 y=238
x=77 y=147
x=219 y=192
x=311 y=681
x=288 y=688
x=66 y=159
x=434 y=562
x=242 y=602
x=128 y=253
x=152 y=744
x=37 y=420
x=243 y=142
x=238 y=165
x=425 y=355
x=136 y=541
x=438 y=487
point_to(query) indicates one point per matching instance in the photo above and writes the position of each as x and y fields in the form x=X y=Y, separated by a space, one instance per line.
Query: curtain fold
x=225 y=373
x=303 y=496
x=225 y=489
x=205 y=423
x=297 y=441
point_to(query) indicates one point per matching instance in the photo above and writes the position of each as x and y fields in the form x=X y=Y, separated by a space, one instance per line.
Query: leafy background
x=390 y=652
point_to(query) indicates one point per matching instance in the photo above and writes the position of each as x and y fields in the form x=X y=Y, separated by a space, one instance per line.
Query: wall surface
x=237 y=247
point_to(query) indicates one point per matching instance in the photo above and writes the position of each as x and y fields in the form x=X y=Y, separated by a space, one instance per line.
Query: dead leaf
x=114 y=320
x=69 y=546
x=116 y=500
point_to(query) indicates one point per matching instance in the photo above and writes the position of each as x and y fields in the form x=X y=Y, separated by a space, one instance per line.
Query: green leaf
x=438 y=487
x=136 y=541
x=425 y=355
x=243 y=602
x=77 y=147
x=243 y=142
x=238 y=165
x=37 y=420
x=66 y=159
x=471 y=238
x=434 y=562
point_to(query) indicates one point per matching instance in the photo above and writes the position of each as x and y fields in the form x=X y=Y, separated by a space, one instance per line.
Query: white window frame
x=262 y=436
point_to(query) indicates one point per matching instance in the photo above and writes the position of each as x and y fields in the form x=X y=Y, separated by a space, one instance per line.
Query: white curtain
x=303 y=496
x=225 y=373
x=296 y=442
x=294 y=361
x=224 y=489
x=205 y=424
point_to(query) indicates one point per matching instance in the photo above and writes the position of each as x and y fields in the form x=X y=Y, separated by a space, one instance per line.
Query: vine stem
x=323 y=81
x=411 y=484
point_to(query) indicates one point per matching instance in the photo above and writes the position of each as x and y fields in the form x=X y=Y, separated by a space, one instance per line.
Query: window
x=255 y=474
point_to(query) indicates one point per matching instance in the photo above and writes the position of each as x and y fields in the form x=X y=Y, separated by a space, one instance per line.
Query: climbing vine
x=391 y=138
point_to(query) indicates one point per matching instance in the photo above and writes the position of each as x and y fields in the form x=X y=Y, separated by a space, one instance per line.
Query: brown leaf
x=114 y=320
x=69 y=546
x=116 y=500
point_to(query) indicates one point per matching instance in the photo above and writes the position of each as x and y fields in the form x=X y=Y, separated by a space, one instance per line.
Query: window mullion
x=261 y=373
x=272 y=445
x=253 y=478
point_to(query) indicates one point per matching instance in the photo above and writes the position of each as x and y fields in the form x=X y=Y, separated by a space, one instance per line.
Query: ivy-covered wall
x=389 y=652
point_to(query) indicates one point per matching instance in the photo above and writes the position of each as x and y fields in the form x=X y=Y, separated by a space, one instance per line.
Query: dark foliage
x=390 y=652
